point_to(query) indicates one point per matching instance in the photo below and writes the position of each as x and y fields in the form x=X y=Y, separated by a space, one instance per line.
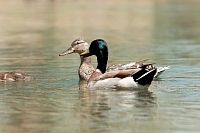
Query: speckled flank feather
x=132 y=65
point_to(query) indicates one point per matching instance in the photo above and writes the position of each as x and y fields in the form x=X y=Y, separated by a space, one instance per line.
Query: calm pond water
x=33 y=33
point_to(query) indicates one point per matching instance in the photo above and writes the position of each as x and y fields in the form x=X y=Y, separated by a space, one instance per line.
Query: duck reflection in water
x=101 y=108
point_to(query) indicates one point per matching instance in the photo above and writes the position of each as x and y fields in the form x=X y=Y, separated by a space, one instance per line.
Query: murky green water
x=33 y=33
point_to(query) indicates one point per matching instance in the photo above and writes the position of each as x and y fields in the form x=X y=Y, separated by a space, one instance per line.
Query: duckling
x=14 y=76
x=140 y=79
x=86 y=69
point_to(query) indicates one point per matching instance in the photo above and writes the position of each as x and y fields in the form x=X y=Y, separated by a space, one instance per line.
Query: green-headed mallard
x=142 y=78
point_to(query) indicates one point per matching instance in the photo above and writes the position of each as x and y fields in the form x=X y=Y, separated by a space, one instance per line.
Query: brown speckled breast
x=85 y=71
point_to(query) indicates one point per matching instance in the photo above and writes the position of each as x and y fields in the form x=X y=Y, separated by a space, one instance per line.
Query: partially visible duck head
x=98 y=48
x=77 y=46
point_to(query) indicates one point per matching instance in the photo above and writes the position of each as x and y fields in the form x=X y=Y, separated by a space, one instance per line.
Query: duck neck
x=86 y=60
x=102 y=63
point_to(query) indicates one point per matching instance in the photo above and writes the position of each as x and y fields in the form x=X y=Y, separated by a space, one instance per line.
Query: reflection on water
x=32 y=33
x=114 y=109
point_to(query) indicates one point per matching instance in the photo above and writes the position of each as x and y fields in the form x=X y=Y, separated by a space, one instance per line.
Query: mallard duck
x=86 y=68
x=14 y=76
x=140 y=78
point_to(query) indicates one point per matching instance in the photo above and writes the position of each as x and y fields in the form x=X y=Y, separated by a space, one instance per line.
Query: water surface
x=33 y=33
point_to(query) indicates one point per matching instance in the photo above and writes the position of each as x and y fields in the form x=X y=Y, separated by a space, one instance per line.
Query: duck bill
x=68 y=51
x=86 y=53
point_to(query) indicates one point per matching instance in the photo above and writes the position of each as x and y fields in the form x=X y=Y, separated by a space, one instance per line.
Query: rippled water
x=33 y=33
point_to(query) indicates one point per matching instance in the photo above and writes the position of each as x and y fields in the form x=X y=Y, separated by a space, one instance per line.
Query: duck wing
x=118 y=73
x=132 y=65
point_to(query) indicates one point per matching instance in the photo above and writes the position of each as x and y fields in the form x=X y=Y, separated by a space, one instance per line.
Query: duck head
x=77 y=46
x=98 y=48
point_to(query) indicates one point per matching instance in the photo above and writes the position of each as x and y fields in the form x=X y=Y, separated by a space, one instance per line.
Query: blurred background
x=34 y=32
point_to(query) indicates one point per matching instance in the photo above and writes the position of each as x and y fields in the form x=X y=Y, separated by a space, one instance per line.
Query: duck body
x=140 y=80
x=14 y=76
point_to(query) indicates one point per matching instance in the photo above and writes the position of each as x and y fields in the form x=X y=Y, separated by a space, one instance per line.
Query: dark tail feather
x=144 y=76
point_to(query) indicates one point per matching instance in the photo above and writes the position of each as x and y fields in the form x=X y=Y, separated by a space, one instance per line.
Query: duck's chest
x=85 y=71
x=95 y=75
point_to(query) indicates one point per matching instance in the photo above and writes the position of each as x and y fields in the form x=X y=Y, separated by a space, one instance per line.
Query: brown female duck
x=14 y=76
